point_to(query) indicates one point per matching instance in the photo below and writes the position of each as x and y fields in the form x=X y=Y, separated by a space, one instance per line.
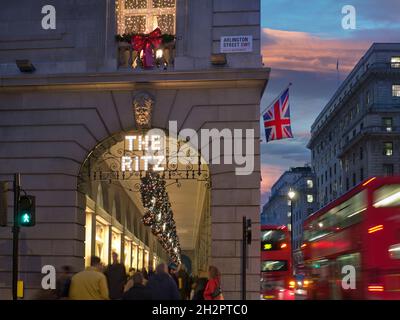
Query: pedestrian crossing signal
x=26 y=212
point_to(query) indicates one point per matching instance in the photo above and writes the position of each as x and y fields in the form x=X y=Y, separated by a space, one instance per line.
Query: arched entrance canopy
x=129 y=160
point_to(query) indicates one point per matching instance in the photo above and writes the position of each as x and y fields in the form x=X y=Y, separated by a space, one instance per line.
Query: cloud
x=269 y=174
x=301 y=51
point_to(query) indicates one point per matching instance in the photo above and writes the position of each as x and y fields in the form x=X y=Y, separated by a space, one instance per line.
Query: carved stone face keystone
x=143 y=109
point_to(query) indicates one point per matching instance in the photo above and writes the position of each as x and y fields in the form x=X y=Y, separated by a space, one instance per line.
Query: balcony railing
x=162 y=56
x=386 y=131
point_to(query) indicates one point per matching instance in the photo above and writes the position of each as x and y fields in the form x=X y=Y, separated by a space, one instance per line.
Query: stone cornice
x=133 y=80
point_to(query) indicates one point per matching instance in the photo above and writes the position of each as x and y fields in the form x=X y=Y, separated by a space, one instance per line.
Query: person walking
x=213 y=289
x=138 y=291
x=162 y=286
x=183 y=282
x=63 y=282
x=116 y=277
x=172 y=272
x=151 y=271
x=199 y=286
x=90 y=284
x=145 y=274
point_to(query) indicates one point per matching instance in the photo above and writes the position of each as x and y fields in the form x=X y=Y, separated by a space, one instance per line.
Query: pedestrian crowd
x=166 y=282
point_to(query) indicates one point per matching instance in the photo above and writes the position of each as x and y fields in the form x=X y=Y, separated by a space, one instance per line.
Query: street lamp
x=291 y=196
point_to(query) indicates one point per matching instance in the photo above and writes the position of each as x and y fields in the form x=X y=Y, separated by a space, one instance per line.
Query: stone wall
x=47 y=130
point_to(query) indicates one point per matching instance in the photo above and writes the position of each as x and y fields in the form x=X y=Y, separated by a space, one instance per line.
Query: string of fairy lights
x=158 y=213
x=143 y=16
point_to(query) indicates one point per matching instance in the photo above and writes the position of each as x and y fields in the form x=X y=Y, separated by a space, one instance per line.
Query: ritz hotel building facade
x=86 y=92
x=357 y=134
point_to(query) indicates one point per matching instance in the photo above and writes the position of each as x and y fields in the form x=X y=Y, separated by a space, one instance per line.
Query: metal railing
x=384 y=130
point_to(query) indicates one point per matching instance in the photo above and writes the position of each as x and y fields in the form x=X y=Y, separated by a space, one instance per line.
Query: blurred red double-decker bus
x=277 y=282
x=361 y=229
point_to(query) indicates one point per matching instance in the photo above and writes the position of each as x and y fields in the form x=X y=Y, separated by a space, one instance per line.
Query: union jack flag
x=277 y=119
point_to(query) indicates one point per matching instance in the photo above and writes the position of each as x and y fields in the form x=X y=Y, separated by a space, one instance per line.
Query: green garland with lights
x=127 y=37
x=158 y=213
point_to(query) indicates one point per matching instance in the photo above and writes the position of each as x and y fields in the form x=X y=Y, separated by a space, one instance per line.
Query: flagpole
x=338 y=73
x=261 y=114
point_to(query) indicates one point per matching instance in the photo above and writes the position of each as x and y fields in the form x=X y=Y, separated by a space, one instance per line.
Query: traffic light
x=26 y=212
x=248 y=231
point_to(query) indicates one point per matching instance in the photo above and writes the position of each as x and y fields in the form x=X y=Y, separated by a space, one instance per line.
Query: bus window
x=394 y=251
x=274 y=265
x=387 y=196
x=273 y=240
x=339 y=217
x=350 y=211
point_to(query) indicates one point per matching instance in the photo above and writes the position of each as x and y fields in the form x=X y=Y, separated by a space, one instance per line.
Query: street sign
x=236 y=44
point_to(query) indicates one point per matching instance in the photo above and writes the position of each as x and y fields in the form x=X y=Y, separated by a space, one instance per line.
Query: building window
x=388 y=170
x=310 y=183
x=395 y=62
x=388 y=124
x=143 y=16
x=354 y=179
x=361 y=174
x=361 y=153
x=388 y=148
x=310 y=198
x=396 y=90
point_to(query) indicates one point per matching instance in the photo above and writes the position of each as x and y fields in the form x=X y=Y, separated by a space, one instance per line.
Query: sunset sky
x=301 y=43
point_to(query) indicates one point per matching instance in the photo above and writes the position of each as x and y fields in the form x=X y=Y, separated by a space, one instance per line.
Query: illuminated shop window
x=101 y=247
x=140 y=259
x=116 y=242
x=155 y=262
x=88 y=236
x=310 y=183
x=310 y=198
x=134 y=256
x=146 y=259
x=127 y=253
x=143 y=16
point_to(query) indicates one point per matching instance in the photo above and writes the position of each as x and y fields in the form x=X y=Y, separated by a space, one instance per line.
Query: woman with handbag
x=213 y=289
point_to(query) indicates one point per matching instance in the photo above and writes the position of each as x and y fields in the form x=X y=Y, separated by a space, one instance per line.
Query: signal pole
x=246 y=240
x=15 y=230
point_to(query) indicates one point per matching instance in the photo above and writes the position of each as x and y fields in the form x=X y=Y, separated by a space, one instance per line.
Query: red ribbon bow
x=146 y=43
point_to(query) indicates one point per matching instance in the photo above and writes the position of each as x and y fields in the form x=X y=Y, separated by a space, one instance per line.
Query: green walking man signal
x=26 y=213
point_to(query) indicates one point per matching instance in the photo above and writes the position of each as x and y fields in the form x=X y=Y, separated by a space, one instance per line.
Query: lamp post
x=291 y=196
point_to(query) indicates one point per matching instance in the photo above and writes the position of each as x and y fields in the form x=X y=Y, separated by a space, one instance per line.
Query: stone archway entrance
x=51 y=124
x=143 y=223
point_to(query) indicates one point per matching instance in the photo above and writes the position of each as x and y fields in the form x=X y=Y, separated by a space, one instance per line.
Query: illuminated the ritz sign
x=149 y=146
